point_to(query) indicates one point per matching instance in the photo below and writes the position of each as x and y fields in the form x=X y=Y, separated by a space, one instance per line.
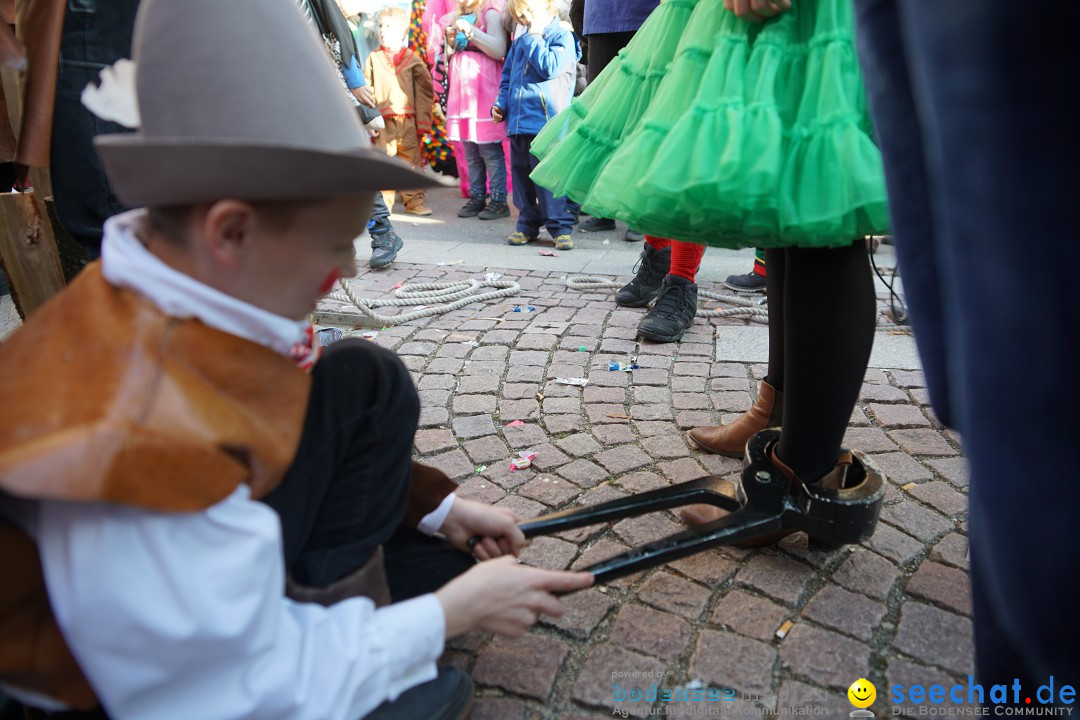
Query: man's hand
x=497 y=528
x=757 y=10
x=365 y=95
x=497 y=114
x=503 y=597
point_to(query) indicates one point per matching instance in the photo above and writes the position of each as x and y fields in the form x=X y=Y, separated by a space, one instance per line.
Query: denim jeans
x=980 y=160
x=486 y=161
x=96 y=33
x=537 y=206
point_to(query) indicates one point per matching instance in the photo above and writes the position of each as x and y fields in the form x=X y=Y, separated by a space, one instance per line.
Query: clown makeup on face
x=282 y=257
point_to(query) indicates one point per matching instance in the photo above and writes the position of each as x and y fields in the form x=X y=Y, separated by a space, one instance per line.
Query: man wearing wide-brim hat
x=199 y=517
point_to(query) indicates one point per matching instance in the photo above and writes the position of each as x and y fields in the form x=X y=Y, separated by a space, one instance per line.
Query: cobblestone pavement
x=895 y=609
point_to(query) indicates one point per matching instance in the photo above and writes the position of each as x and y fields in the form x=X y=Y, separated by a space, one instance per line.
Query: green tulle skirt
x=710 y=129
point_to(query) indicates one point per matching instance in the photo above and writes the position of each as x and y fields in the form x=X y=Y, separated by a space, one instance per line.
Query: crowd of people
x=204 y=515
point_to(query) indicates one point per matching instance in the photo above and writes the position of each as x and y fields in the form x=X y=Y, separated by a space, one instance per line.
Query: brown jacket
x=107 y=399
x=402 y=86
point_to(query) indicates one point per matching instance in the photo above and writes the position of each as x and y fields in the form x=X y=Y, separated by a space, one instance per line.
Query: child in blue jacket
x=537 y=82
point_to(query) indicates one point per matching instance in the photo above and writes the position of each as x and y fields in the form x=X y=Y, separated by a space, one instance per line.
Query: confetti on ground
x=471 y=343
x=522 y=461
x=444 y=263
x=492 y=277
x=625 y=367
x=579 y=382
x=548 y=253
x=480 y=469
x=606 y=242
x=516 y=423
x=369 y=334
x=397 y=287
x=583 y=349
x=525 y=309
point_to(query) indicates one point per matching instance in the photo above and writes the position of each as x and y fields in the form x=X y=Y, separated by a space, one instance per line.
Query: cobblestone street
x=893 y=610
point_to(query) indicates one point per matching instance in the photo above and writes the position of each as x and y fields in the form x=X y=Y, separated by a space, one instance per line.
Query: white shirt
x=182 y=615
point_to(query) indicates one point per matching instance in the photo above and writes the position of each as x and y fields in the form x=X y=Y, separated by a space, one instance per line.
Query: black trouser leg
x=417 y=564
x=774 y=291
x=829 y=313
x=346 y=490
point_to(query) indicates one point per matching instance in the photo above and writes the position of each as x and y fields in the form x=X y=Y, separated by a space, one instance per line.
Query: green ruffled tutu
x=710 y=129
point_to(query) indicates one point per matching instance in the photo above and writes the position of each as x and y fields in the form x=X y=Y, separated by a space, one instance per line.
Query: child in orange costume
x=402 y=86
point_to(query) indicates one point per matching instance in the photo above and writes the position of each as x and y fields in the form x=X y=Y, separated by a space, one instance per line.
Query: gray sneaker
x=384 y=249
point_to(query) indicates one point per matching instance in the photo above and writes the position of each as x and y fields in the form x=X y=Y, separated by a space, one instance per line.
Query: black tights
x=822 y=311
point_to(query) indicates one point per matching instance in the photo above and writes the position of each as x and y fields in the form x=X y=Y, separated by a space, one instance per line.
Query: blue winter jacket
x=538 y=78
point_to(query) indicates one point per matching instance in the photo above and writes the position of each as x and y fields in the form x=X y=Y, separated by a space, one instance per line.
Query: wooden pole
x=28 y=251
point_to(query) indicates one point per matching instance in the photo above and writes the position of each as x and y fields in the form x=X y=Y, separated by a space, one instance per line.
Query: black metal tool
x=766 y=504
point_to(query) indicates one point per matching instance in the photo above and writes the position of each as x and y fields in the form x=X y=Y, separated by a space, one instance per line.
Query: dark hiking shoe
x=472 y=208
x=673 y=311
x=494 y=211
x=651 y=268
x=384 y=249
x=751 y=282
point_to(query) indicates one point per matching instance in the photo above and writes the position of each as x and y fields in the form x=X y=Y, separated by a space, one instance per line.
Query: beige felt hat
x=238 y=99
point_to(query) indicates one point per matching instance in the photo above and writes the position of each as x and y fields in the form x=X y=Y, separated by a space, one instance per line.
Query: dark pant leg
x=829 y=312
x=529 y=218
x=95 y=34
x=477 y=171
x=380 y=217
x=1001 y=159
x=775 y=259
x=417 y=564
x=495 y=162
x=603 y=47
x=554 y=211
x=918 y=253
x=346 y=490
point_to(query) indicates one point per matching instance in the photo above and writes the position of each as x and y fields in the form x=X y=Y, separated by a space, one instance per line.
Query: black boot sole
x=660 y=338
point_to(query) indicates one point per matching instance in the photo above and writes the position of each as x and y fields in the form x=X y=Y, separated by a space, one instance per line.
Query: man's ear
x=228 y=228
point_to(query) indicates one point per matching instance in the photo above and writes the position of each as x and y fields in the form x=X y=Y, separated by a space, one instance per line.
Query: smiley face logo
x=862 y=693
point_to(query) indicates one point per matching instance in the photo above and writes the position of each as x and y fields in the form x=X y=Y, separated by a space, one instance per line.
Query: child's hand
x=464 y=26
x=497 y=113
x=757 y=10
x=451 y=35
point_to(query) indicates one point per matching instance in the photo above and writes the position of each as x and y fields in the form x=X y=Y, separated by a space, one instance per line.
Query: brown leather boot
x=730 y=440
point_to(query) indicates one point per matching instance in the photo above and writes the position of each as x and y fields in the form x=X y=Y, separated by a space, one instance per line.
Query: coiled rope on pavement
x=455 y=294
x=748 y=308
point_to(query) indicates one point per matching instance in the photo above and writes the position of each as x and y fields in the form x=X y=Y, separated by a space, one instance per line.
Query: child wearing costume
x=537 y=82
x=402 y=86
x=475 y=72
x=739 y=132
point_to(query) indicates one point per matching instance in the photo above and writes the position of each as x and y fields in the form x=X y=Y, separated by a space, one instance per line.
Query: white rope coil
x=748 y=308
x=455 y=294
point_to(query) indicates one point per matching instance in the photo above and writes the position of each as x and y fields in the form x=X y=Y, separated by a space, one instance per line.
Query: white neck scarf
x=126 y=263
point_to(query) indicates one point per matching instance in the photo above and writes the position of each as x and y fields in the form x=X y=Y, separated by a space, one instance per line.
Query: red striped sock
x=685 y=259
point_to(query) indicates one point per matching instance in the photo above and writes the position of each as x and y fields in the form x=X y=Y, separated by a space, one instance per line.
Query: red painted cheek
x=330 y=280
